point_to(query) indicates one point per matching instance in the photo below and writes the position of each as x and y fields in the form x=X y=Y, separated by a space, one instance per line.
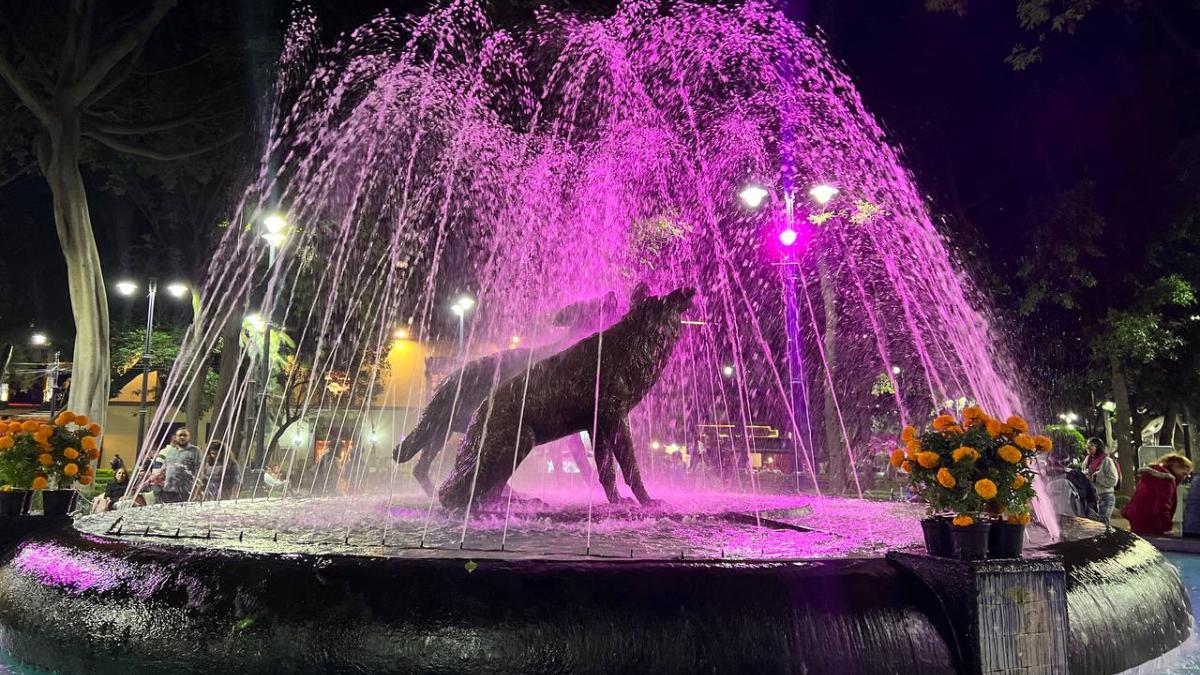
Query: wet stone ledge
x=1009 y=616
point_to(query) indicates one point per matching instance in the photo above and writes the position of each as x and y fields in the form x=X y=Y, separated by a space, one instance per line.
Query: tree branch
x=21 y=88
x=149 y=153
x=126 y=45
x=112 y=129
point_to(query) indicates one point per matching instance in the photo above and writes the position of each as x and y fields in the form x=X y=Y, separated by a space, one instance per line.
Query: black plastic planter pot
x=14 y=502
x=970 y=542
x=937 y=536
x=57 y=502
x=1006 y=540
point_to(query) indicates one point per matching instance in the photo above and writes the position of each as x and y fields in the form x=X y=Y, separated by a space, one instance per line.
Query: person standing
x=181 y=462
x=222 y=474
x=1103 y=472
x=1151 y=511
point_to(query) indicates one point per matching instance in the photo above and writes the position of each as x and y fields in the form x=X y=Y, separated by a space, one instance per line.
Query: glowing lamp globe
x=787 y=237
x=822 y=193
x=177 y=290
x=126 y=287
x=753 y=195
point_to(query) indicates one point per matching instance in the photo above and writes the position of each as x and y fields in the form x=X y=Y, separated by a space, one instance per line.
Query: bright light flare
x=788 y=237
x=39 y=340
x=126 y=288
x=822 y=193
x=401 y=334
x=727 y=371
x=256 y=322
x=275 y=223
x=177 y=290
x=753 y=195
x=895 y=370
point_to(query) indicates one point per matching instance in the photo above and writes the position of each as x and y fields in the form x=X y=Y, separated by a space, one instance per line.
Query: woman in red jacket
x=1152 y=509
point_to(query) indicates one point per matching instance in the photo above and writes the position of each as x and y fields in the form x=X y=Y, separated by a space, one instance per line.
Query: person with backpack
x=1102 y=470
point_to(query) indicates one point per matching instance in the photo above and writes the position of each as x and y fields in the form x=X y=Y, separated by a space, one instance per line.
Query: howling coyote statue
x=558 y=397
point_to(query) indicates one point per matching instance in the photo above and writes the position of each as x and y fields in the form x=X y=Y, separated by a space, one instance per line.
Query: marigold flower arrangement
x=39 y=455
x=976 y=464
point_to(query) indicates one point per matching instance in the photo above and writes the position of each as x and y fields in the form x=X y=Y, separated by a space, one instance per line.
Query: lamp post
x=275 y=235
x=460 y=308
x=127 y=288
x=753 y=196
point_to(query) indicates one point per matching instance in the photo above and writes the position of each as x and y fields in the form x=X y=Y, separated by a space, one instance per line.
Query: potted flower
x=977 y=469
x=66 y=450
x=17 y=466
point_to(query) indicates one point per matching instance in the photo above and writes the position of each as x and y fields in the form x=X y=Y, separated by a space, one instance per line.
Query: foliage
x=127 y=345
x=18 y=457
x=40 y=455
x=1068 y=442
x=976 y=464
x=1038 y=17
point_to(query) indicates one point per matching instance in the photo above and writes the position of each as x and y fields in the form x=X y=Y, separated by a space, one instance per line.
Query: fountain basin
x=82 y=602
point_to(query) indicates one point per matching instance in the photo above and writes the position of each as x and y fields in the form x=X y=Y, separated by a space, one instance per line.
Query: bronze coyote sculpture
x=558 y=397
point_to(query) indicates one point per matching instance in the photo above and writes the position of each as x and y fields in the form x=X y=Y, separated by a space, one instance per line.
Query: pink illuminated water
x=539 y=165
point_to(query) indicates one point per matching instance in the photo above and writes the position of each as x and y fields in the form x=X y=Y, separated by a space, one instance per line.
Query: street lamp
x=39 y=340
x=727 y=371
x=128 y=288
x=276 y=230
x=822 y=193
x=753 y=195
x=461 y=306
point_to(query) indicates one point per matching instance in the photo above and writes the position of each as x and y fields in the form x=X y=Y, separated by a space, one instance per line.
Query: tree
x=75 y=86
x=1041 y=18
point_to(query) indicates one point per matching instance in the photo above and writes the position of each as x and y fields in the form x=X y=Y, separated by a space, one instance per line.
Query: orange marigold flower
x=963 y=521
x=6 y=442
x=94 y=429
x=927 y=460
x=87 y=442
x=896 y=458
x=945 y=478
x=908 y=434
x=45 y=429
x=994 y=428
x=29 y=426
x=82 y=420
x=70 y=453
x=1019 y=519
x=64 y=418
x=914 y=447
x=1018 y=482
x=85 y=480
x=1018 y=424
x=71 y=469
x=1009 y=454
x=1043 y=443
x=907 y=467
x=40 y=483
x=973 y=412
x=15 y=427
x=943 y=422
x=45 y=459
x=985 y=488
x=93 y=454
x=1025 y=442
x=965 y=452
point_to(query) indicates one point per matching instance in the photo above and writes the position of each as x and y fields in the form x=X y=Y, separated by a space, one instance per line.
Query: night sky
x=1109 y=104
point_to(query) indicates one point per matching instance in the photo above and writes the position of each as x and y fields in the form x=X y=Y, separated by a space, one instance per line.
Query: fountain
x=566 y=171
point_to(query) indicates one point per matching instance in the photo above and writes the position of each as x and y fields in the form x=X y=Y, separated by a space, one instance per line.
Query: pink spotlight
x=788 y=237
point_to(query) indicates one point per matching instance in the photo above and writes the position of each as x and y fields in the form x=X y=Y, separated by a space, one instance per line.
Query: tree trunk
x=1122 y=428
x=225 y=419
x=1170 y=421
x=838 y=462
x=58 y=158
x=194 y=405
